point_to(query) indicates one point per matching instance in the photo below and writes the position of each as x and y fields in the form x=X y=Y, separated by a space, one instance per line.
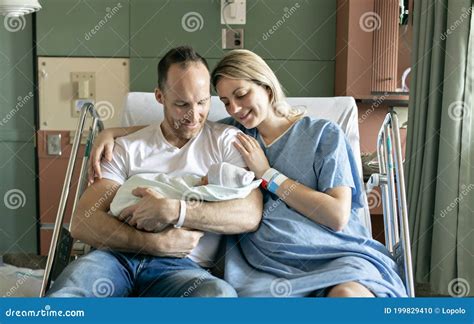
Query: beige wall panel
x=57 y=92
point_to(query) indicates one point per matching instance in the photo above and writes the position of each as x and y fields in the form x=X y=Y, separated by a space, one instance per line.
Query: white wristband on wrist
x=272 y=180
x=182 y=214
x=268 y=175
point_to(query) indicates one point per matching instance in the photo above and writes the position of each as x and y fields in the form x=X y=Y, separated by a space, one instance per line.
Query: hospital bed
x=142 y=109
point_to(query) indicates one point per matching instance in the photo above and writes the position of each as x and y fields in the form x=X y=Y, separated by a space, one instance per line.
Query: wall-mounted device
x=232 y=38
x=404 y=11
x=83 y=90
x=233 y=12
x=54 y=144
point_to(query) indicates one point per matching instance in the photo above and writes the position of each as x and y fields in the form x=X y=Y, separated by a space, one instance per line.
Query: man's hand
x=174 y=242
x=103 y=147
x=152 y=213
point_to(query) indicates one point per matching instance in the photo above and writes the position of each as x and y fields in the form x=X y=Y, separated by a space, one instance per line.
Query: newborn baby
x=227 y=175
x=223 y=181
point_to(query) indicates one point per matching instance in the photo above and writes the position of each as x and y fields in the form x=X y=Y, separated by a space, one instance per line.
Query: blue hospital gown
x=290 y=255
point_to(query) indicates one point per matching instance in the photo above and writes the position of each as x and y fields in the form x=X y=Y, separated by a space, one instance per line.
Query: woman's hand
x=252 y=154
x=103 y=146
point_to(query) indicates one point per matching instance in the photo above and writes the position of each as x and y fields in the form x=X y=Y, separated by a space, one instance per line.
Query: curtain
x=440 y=148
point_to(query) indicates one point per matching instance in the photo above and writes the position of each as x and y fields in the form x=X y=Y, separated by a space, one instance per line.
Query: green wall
x=301 y=48
x=18 y=212
x=83 y=28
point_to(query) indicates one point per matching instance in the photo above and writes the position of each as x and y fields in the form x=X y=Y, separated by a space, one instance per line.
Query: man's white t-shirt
x=148 y=151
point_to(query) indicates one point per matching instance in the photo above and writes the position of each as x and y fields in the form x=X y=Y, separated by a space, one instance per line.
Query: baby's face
x=204 y=181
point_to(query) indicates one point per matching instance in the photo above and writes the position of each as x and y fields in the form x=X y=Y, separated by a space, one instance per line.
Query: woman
x=311 y=241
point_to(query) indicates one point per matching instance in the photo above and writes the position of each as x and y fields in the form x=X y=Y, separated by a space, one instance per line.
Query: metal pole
x=383 y=188
x=403 y=209
x=63 y=200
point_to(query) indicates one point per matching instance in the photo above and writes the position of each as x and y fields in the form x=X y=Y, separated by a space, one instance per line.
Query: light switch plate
x=77 y=79
x=233 y=12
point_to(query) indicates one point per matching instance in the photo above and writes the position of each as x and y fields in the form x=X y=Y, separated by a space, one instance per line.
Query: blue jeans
x=115 y=274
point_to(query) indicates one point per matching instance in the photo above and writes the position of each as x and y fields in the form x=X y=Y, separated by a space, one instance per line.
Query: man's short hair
x=183 y=55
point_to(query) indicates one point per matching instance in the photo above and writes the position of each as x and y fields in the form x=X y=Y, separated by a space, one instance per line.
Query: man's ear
x=159 y=95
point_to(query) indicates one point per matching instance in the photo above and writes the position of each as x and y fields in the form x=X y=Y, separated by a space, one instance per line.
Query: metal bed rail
x=391 y=181
x=61 y=241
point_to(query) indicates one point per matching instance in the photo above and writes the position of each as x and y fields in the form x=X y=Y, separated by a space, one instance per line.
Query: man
x=143 y=252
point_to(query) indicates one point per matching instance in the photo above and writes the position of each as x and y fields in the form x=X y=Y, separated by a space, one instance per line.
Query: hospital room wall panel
x=46 y=234
x=50 y=183
x=157 y=26
x=274 y=29
x=59 y=94
x=18 y=230
x=300 y=30
x=51 y=174
x=16 y=83
x=83 y=28
x=370 y=120
x=18 y=224
x=305 y=78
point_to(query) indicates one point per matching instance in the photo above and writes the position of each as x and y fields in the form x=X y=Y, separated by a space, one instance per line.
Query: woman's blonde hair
x=246 y=65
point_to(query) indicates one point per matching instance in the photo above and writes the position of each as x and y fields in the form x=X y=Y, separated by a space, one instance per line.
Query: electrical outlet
x=54 y=144
x=232 y=38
